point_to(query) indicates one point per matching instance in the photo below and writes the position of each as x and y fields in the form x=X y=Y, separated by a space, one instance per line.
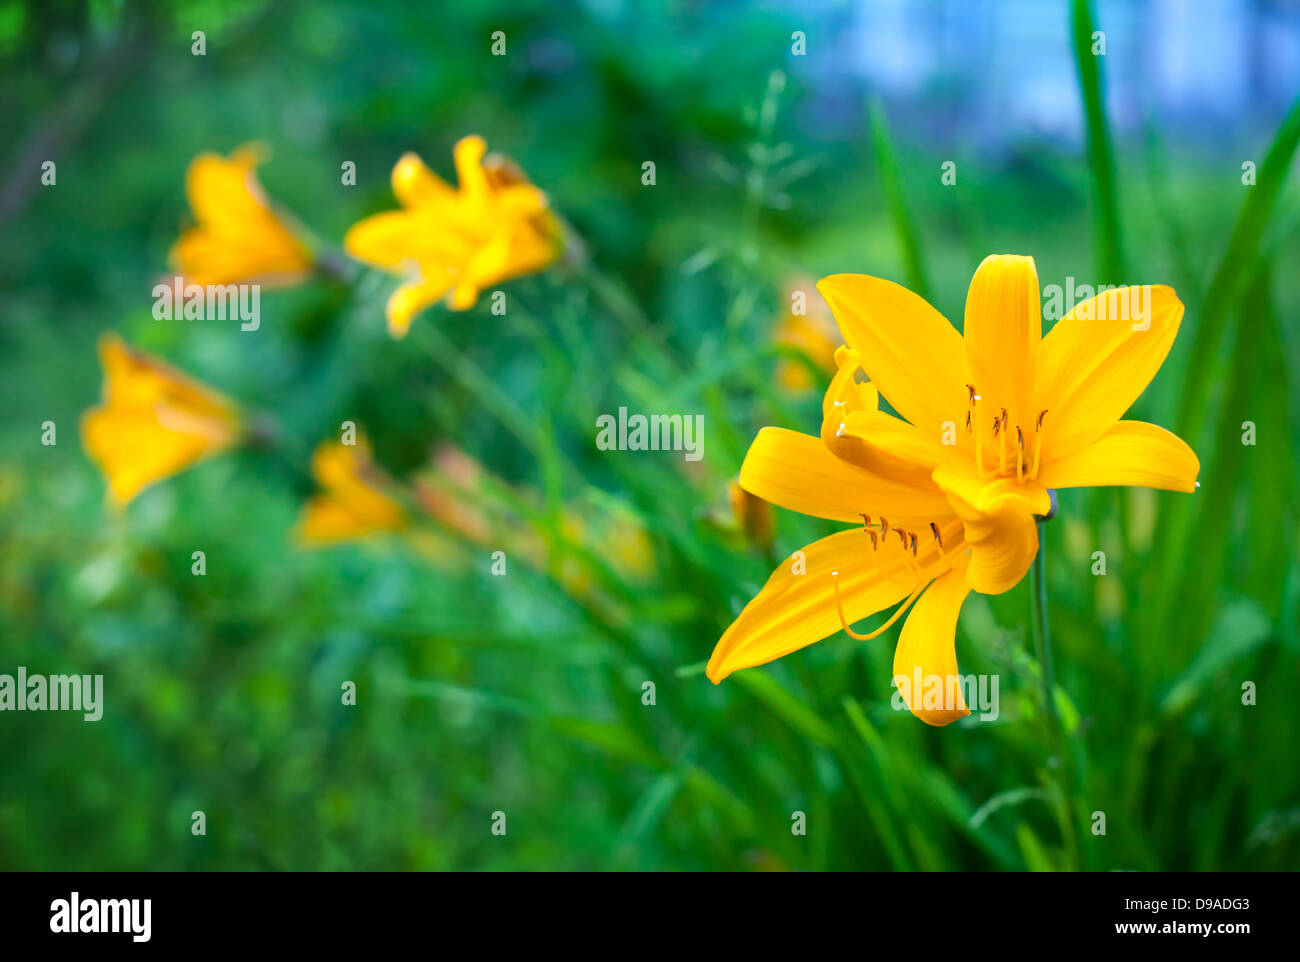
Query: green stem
x=1067 y=809
x=1043 y=630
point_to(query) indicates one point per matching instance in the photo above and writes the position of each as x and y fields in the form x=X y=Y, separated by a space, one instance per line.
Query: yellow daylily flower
x=813 y=332
x=752 y=515
x=947 y=495
x=154 y=421
x=353 y=502
x=238 y=237
x=455 y=242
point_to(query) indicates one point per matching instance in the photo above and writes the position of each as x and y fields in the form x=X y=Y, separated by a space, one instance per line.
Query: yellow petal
x=856 y=431
x=927 y=649
x=1003 y=328
x=468 y=154
x=999 y=524
x=909 y=350
x=1132 y=453
x=889 y=447
x=414 y=184
x=1093 y=364
x=797 y=472
x=796 y=609
x=410 y=299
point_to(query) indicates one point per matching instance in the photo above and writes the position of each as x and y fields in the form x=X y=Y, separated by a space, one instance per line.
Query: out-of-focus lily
x=454 y=242
x=353 y=502
x=154 y=421
x=238 y=237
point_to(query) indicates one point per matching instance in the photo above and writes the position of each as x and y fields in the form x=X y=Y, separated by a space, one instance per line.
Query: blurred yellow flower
x=154 y=421
x=947 y=495
x=353 y=502
x=752 y=515
x=238 y=237
x=807 y=328
x=456 y=241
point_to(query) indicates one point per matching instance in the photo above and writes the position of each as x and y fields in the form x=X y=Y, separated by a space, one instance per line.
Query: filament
x=839 y=607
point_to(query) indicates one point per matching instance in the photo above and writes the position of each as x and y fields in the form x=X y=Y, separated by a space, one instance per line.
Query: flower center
x=1026 y=463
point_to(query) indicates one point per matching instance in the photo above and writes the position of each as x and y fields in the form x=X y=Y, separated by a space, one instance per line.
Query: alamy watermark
x=979 y=693
x=209 y=302
x=1132 y=303
x=654 y=432
x=83 y=693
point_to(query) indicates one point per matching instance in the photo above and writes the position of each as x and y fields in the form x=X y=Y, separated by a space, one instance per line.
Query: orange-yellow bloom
x=455 y=242
x=946 y=497
x=238 y=237
x=154 y=421
x=752 y=515
x=353 y=502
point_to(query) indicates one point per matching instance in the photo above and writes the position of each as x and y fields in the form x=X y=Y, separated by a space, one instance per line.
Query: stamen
x=934 y=528
x=1020 y=454
x=884 y=527
x=970 y=390
x=866 y=521
x=872 y=532
x=912 y=538
x=1002 y=445
x=1038 y=442
x=968 y=422
x=902 y=537
x=839 y=607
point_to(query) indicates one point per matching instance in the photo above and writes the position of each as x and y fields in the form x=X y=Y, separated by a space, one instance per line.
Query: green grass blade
x=1107 y=238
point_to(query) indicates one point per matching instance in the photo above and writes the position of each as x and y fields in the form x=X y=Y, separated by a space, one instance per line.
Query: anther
x=884 y=526
x=1038 y=442
x=968 y=422
x=866 y=521
x=912 y=536
x=902 y=537
x=934 y=528
x=1020 y=454
x=1002 y=443
x=970 y=390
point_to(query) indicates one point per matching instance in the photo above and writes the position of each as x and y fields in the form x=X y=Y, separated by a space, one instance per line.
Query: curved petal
x=414 y=184
x=1004 y=324
x=927 y=651
x=797 y=472
x=1098 y=359
x=472 y=178
x=1131 y=452
x=797 y=605
x=410 y=299
x=909 y=350
x=999 y=522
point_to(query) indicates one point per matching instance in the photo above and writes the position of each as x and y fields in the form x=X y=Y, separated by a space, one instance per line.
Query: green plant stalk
x=1043 y=648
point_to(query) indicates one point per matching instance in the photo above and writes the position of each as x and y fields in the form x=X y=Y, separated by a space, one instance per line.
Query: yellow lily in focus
x=238 y=237
x=353 y=503
x=947 y=496
x=154 y=421
x=455 y=242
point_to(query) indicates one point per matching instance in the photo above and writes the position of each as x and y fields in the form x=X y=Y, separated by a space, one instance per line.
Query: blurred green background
x=519 y=693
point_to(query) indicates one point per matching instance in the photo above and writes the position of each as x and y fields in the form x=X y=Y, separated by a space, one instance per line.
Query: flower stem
x=1063 y=749
x=1043 y=630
